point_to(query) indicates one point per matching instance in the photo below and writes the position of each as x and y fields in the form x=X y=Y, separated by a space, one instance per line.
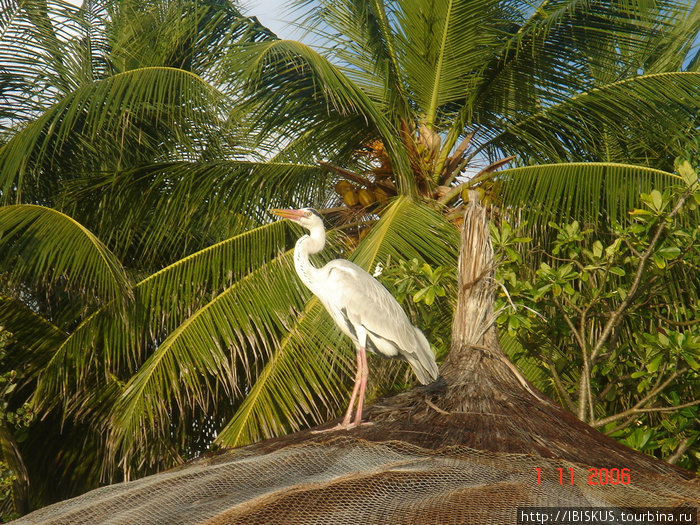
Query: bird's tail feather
x=422 y=360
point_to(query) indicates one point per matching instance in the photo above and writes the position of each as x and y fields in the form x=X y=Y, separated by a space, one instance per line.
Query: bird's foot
x=343 y=426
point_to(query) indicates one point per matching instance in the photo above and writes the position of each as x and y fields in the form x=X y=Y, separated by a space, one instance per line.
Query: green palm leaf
x=53 y=247
x=218 y=344
x=298 y=386
x=590 y=192
x=51 y=49
x=219 y=347
x=109 y=344
x=673 y=48
x=34 y=338
x=136 y=218
x=361 y=30
x=33 y=53
x=397 y=235
x=597 y=125
x=443 y=46
x=147 y=113
x=315 y=90
x=563 y=47
x=12 y=458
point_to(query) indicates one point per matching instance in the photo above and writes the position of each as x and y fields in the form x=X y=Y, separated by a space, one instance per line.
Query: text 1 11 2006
x=596 y=476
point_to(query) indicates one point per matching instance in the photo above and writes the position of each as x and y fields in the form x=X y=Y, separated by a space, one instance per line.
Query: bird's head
x=306 y=217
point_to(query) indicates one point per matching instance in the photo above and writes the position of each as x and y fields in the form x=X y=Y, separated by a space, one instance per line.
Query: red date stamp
x=596 y=476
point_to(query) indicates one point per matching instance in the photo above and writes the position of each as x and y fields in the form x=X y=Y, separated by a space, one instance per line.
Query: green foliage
x=611 y=319
x=7 y=480
x=18 y=418
x=15 y=422
x=142 y=143
x=565 y=192
x=428 y=293
x=67 y=248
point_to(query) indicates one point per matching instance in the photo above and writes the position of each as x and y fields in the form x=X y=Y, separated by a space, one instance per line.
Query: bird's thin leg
x=361 y=357
x=355 y=390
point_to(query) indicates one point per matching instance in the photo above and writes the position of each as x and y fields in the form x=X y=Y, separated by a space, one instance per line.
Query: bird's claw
x=343 y=426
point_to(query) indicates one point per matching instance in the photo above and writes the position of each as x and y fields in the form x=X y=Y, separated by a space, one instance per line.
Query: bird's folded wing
x=366 y=302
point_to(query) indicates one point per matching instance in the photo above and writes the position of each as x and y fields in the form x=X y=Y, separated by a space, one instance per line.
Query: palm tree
x=111 y=92
x=421 y=100
x=154 y=306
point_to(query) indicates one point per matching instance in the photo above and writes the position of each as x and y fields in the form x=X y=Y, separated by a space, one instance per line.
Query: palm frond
x=300 y=385
x=565 y=47
x=530 y=366
x=443 y=47
x=192 y=36
x=408 y=229
x=43 y=245
x=365 y=47
x=264 y=64
x=287 y=78
x=589 y=192
x=645 y=119
x=673 y=49
x=34 y=338
x=33 y=52
x=137 y=208
x=51 y=48
x=162 y=301
x=144 y=114
x=220 y=344
x=216 y=351
x=12 y=457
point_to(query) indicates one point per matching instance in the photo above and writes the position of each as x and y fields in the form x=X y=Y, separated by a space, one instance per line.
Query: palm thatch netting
x=469 y=449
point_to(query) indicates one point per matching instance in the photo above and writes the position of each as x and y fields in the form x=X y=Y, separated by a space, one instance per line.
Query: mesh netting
x=346 y=480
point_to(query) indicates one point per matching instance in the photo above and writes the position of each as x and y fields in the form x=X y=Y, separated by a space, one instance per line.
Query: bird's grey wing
x=364 y=301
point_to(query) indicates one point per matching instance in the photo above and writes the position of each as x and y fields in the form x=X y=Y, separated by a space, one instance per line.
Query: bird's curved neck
x=306 y=245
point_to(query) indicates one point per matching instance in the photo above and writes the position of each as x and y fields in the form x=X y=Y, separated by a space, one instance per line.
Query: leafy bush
x=607 y=323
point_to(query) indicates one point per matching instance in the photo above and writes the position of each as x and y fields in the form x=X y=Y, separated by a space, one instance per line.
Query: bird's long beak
x=294 y=215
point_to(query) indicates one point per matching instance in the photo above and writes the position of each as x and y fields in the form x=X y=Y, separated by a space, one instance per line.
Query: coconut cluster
x=354 y=195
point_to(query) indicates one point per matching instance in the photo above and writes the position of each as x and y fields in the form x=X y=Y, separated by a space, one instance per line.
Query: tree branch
x=682 y=447
x=579 y=337
x=563 y=394
x=616 y=316
x=575 y=262
x=584 y=394
x=636 y=409
x=675 y=323
x=625 y=424
x=670 y=409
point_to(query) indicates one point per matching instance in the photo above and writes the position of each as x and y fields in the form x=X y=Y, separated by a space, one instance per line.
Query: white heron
x=362 y=308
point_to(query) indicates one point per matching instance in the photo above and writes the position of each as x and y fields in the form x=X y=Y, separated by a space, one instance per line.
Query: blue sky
x=272 y=14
